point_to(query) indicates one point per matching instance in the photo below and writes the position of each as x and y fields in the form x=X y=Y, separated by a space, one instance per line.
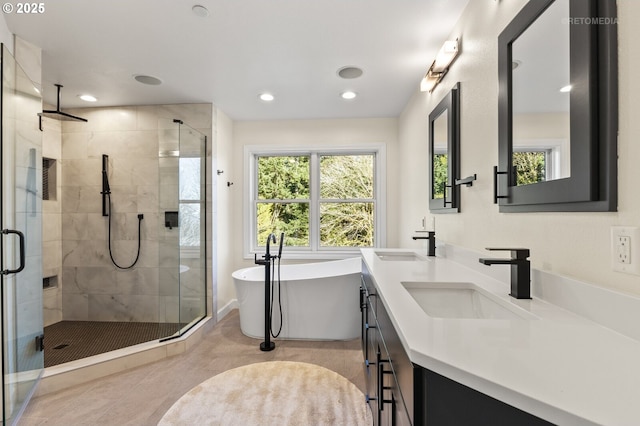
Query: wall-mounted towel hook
x=220 y=172
x=229 y=183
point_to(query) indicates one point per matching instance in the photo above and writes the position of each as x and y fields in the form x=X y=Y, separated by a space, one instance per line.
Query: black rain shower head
x=59 y=115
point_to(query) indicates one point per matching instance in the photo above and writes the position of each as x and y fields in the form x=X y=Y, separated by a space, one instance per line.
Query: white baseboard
x=224 y=311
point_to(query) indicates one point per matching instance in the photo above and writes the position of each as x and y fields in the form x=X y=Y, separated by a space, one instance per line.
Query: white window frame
x=314 y=251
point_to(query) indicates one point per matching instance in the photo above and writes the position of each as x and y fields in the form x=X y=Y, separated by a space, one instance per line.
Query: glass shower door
x=21 y=248
x=182 y=162
x=192 y=209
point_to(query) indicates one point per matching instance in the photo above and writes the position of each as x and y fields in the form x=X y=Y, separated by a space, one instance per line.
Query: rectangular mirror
x=540 y=98
x=444 y=158
x=558 y=108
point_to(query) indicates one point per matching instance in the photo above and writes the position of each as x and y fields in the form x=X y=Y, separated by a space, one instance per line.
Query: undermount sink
x=400 y=256
x=461 y=301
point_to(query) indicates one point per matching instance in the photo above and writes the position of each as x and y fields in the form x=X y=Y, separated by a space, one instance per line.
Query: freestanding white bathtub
x=319 y=300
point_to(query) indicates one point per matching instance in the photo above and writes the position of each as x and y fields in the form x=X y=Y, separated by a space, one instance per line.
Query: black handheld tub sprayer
x=106 y=211
x=269 y=291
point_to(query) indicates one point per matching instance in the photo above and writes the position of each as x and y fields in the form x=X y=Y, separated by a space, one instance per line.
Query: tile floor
x=142 y=395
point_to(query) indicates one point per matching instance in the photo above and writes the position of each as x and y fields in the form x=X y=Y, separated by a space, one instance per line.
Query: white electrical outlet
x=625 y=250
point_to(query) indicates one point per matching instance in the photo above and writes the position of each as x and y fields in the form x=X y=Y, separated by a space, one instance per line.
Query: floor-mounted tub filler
x=319 y=300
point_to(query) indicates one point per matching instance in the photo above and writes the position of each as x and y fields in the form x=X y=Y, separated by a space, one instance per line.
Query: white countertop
x=560 y=366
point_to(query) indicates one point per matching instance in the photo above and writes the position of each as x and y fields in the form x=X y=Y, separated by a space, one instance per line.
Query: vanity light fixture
x=88 y=98
x=266 y=97
x=566 y=89
x=348 y=95
x=440 y=65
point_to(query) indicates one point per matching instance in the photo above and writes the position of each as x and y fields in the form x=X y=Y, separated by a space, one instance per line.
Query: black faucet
x=266 y=259
x=267 y=255
x=431 y=236
x=520 y=270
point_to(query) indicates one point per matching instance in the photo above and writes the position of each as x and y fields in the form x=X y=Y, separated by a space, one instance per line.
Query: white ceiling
x=291 y=48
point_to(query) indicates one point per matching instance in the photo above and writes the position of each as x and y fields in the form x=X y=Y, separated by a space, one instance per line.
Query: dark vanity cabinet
x=402 y=393
x=384 y=360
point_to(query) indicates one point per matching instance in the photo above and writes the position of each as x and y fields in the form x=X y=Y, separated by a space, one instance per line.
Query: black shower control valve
x=40 y=343
x=171 y=219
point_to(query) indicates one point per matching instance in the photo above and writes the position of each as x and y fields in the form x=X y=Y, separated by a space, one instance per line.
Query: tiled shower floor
x=71 y=340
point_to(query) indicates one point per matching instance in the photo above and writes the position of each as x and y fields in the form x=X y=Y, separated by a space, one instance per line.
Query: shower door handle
x=22 y=255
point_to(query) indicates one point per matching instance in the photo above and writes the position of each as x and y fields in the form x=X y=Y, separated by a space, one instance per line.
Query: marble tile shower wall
x=52 y=225
x=93 y=289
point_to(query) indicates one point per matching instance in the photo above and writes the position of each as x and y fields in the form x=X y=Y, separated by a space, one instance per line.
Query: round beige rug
x=272 y=393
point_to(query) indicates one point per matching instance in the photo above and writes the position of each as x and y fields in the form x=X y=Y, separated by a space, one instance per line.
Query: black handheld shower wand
x=280 y=248
x=106 y=211
x=106 y=190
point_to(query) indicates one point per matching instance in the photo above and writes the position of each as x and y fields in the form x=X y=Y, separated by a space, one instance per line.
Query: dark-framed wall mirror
x=444 y=156
x=558 y=108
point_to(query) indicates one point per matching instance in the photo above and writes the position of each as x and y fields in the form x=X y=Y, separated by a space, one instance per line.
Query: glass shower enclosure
x=182 y=162
x=21 y=248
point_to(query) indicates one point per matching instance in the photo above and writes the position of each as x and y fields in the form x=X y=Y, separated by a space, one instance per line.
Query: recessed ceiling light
x=200 y=11
x=348 y=95
x=147 y=79
x=267 y=97
x=566 y=88
x=349 y=72
x=88 y=98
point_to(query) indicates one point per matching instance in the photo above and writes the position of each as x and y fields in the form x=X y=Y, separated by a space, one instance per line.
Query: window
x=190 y=184
x=540 y=160
x=283 y=198
x=531 y=166
x=327 y=202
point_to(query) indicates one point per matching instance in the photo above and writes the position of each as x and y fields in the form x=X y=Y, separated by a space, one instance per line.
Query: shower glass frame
x=20 y=215
x=182 y=251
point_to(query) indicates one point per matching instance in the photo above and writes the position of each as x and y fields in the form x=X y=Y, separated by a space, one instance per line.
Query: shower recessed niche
x=50 y=282
x=49 y=181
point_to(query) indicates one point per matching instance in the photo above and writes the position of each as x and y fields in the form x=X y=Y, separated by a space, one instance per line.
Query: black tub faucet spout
x=270 y=238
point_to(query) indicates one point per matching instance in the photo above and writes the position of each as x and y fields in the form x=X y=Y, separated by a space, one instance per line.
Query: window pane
x=290 y=218
x=189 y=178
x=346 y=224
x=189 y=220
x=530 y=167
x=283 y=178
x=346 y=176
x=439 y=174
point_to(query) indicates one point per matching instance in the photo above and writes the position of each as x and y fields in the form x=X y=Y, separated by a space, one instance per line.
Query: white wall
x=299 y=133
x=571 y=244
x=225 y=210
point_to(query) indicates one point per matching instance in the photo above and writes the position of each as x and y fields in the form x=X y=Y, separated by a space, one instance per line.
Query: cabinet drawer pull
x=380 y=375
